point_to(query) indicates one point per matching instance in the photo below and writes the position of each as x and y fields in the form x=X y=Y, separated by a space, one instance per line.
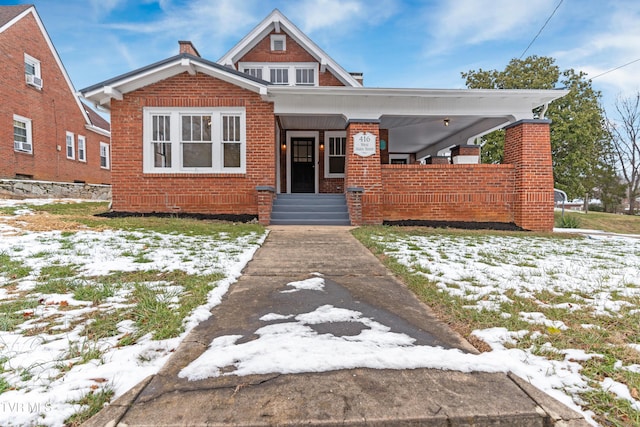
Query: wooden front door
x=302 y=165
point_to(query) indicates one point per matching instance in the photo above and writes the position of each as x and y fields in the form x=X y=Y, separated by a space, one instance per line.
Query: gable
x=262 y=52
x=25 y=34
x=277 y=23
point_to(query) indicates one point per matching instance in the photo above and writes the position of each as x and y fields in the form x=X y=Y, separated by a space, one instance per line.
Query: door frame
x=292 y=134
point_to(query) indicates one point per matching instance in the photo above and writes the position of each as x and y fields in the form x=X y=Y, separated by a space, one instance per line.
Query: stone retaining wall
x=20 y=189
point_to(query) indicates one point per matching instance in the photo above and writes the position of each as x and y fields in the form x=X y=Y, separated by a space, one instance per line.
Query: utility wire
x=545 y=24
x=617 y=68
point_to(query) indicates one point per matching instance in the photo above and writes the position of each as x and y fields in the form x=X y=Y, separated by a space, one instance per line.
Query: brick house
x=276 y=116
x=46 y=132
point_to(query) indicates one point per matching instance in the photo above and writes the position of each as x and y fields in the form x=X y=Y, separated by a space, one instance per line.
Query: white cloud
x=342 y=15
x=469 y=22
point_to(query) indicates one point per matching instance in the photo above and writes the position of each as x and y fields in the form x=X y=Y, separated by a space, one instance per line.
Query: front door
x=302 y=165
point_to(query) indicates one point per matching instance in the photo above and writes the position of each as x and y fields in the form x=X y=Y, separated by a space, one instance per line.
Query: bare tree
x=625 y=134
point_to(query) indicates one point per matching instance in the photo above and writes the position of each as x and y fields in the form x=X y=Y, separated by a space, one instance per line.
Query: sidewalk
x=355 y=280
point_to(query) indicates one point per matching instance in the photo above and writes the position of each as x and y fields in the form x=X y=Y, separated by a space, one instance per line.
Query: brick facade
x=135 y=191
x=365 y=173
x=53 y=111
x=527 y=146
x=444 y=192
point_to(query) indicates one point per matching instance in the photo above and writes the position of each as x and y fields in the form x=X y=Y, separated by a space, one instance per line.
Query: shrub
x=569 y=221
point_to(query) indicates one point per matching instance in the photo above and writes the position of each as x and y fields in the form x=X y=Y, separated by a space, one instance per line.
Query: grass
x=608 y=337
x=93 y=402
x=613 y=223
x=13 y=269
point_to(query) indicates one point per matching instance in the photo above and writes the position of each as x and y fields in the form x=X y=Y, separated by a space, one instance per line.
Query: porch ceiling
x=415 y=117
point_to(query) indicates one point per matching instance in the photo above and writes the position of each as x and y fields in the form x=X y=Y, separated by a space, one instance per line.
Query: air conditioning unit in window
x=34 y=81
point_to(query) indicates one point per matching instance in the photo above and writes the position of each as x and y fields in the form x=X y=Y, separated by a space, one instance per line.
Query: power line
x=617 y=68
x=545 y=24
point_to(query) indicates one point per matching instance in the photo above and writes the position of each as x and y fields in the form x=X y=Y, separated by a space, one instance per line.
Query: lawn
x=563 y=311
x=90 y=306
x=614 y=223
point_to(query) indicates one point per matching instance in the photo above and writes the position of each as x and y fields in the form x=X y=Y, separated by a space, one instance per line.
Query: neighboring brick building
x=277 y=115
x=46 y=132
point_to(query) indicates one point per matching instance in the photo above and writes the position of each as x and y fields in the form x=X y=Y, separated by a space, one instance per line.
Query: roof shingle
x=7 y=13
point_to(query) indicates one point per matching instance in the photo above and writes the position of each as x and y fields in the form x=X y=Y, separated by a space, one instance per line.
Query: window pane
x=162 y=155
x=336 y=164
x=206 y=128
x=231 y=155
x=280 y=76
x=186 y=128
x=161 y=128
x=230 y=128
x=29 y=69
x=196 y=155
x=19 y=131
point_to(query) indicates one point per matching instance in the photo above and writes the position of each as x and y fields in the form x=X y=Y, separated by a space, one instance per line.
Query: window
x=255 y=72
x=399 y=159
x=194 y=140
x=104 y=156
x=32 y=71
x=283 y=73
x=71 y=146
x=22 y=134
x=305 y=76
x=278 y=42
x=279 y=76
x=82 y=148
x=335 y=153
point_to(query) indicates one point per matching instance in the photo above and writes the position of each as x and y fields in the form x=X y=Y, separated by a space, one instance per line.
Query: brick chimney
x=187 y=47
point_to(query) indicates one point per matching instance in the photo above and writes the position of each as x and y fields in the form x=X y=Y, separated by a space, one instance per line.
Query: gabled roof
x=96 y=119
x=278 y=22
x=102 y=93
x=9 y=15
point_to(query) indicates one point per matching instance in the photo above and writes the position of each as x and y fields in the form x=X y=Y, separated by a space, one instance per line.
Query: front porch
x=423 y=164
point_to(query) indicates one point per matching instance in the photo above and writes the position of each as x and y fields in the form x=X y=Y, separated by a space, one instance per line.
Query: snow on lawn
x=596 y=276
x=43 y=368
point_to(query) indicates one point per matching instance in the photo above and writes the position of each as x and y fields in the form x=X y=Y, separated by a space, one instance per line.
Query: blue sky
x=395 y=43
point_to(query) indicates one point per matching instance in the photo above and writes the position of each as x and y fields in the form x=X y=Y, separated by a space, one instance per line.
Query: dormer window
x=278 y=43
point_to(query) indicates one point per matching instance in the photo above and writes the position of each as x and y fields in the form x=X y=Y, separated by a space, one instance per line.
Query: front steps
x=310 y=209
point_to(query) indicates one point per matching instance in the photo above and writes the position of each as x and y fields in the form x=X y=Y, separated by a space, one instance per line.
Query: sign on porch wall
x=364 y=144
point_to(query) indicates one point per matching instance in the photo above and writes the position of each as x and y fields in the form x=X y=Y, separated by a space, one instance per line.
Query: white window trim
x=291 y=66
x=107 y=151
x=278 y=37
x=36 y=64
x=82 y=141
x=327 y=135
x=29 y=141
x=176 y=152
x=70 y=148
x=399 y=157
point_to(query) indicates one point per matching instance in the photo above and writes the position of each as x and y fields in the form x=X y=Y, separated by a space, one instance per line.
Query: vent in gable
x=278 y=43
x=34 y=81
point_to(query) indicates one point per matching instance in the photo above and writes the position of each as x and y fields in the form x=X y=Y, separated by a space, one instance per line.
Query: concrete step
x=310 y=209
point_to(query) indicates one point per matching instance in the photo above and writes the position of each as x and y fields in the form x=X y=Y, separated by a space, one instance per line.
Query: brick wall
x=262 y=52
x=527 y=147
x=480 y=193
x=134 y=191
x=53 y=111
x=364 y=172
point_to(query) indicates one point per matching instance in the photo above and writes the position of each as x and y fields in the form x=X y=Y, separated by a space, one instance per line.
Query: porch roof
x=415 y=117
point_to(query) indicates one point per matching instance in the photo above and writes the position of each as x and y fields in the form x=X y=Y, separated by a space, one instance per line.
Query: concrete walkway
x=354 y=278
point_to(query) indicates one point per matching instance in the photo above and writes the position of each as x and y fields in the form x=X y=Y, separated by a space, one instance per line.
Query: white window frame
x=327 y=150
x=175 y=115
x=105 y=153
x=82 y=148
x=29 y=141
x=70 y=146
x=275 y=38
x=253 y=72
x=313 y=75
x=28 y=59
x=291 y=66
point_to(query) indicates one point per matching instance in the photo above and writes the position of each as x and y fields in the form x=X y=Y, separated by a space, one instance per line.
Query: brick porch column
x=266 y=194
x=527 y=145
x=365 y=174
